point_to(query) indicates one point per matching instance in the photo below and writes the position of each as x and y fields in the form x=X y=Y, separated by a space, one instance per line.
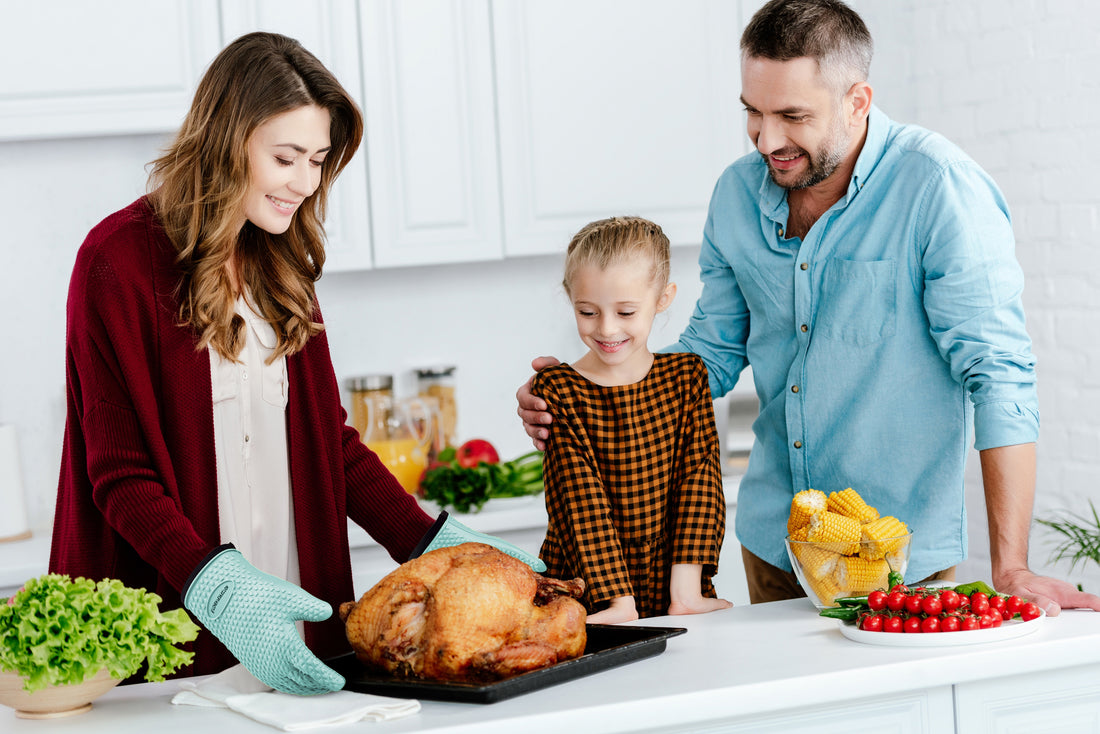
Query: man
x=865 y=269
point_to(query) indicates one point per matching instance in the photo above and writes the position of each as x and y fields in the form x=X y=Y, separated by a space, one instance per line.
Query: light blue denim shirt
x=876 y=342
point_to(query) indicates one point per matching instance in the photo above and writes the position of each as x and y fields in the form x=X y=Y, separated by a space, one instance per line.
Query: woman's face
x=284 y=160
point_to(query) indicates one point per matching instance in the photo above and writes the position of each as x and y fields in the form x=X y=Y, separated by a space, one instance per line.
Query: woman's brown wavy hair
x=198 y=187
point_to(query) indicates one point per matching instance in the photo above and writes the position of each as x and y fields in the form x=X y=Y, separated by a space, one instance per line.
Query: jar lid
x=443 y=370
x=371 y=382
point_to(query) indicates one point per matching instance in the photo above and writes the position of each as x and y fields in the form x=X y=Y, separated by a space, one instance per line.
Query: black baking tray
x=608 y=646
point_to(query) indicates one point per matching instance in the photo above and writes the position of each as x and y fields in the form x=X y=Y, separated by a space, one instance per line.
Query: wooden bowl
x=54 y=701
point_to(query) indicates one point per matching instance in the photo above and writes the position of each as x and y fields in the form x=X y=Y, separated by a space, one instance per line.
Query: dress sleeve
x=580 y=515
x=701 y=508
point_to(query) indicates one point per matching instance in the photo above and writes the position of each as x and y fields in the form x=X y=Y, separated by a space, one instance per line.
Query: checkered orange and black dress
x=633 y=483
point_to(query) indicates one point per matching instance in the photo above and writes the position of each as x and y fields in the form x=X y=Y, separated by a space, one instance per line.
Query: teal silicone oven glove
x=254 y=613
x=447 y=532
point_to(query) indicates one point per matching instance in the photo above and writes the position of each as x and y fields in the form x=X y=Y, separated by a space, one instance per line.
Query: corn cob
x=850 y=504
x=799 y=534
x=883 y=536
x=825 y=589
x=835 y=532
x=805 y=505
x=857 y=576
x=817 y=562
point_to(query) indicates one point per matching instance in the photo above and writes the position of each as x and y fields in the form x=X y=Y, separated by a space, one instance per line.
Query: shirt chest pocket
x=858 y=301
x=273 y=376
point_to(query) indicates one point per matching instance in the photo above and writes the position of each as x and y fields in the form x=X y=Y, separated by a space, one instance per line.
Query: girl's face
x=284 y=160
x=614 y=308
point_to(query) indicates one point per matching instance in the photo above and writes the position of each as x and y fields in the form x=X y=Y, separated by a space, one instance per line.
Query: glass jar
x=371 y=404
x=439 y=383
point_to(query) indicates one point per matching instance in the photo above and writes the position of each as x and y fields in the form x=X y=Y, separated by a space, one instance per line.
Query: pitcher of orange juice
x=401 y=437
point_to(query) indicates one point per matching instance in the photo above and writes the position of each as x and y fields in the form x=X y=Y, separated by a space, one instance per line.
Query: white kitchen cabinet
x=328 y=29
x=611 y=107
x=431 y=131
x=74 y=68
x=1062 y=700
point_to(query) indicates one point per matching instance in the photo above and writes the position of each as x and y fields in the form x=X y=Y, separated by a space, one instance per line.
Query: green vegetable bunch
x=59 y=631
x=467 y=489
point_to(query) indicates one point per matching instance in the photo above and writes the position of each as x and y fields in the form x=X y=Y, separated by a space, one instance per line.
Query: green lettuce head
x=59 y=631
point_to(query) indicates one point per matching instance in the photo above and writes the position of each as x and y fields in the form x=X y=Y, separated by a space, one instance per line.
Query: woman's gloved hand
x=447 y=532
x=253 y=614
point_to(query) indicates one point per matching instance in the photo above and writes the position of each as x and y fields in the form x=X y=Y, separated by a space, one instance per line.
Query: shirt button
x=804 y=328
x=804 y=266
x=246 y=438
x=780 y=231
x=244 y=374
x=794 y=388
x=798 y=444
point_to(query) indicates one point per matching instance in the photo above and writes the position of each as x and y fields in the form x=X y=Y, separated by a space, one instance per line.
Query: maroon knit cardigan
x=137 y=495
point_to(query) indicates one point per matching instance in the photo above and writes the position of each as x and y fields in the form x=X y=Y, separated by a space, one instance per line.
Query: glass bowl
x=828 y=570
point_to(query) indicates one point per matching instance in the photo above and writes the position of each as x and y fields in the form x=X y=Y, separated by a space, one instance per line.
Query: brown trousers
x=768 y=583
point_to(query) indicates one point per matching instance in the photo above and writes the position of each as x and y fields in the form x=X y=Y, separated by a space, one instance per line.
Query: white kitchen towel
x=238 y=690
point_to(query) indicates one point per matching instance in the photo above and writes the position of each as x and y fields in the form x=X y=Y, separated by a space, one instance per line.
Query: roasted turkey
x=466 y=613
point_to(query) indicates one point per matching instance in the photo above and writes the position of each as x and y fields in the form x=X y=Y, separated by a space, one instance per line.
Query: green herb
x=973 y=586
x=467 y=489
x=58 y=631
x=1081 y=537
x=846 y=614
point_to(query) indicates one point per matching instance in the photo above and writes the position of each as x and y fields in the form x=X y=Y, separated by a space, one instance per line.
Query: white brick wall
x=1016 y=83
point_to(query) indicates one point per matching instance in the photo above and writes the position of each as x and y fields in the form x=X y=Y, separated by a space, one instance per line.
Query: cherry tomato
x=911 y=625
x=997 y=602
x=970 y=622
x=913 y=604
x=899 y=587
x=985 y=621
x=1006 y=615
x=950 y=599
x=871 y=623
x=995 y=619
x=895 y=601
x=931 y=605
x=930 y=624
x=876 y=600
x=950 y=623
x=1013 y=604
x=1029 y=611
x=892 y=624
x=979 y=603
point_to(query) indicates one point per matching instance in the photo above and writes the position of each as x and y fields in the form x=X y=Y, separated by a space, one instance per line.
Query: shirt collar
x=773 y=198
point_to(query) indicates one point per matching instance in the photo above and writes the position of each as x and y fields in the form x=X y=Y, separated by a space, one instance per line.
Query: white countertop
x=745 y=661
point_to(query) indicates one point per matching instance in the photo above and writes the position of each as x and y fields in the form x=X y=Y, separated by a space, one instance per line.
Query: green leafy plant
x=467 y=489
x=59 y=631
x=1080 y=537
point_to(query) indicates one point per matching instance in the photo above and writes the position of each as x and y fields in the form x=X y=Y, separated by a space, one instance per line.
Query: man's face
x=794 y=120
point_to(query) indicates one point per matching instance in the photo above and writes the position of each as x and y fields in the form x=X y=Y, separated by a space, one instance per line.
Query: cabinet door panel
x=329 y=30
x=431 y=132
x=79 y=74
x=1066 y=700
x=613 y=107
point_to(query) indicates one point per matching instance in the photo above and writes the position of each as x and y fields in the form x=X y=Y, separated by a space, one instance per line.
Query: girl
x=633 y=486
x=204 y=424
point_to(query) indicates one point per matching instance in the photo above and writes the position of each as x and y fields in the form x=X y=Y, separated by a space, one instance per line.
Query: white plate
x=1007 y=631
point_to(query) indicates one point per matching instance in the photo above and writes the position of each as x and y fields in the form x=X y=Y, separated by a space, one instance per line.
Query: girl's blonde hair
x=198 y=187
x=610 y=241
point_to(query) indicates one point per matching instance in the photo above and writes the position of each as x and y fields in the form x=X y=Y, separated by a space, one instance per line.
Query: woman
x=204 y=423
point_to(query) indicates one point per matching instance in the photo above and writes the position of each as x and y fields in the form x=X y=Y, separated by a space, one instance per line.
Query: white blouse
x=255 y=509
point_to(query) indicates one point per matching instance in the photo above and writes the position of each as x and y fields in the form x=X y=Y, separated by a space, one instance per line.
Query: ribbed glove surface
x=455 y=533
x=254 y=613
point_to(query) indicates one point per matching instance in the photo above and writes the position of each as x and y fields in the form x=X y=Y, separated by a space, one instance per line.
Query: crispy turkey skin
x=466 y=613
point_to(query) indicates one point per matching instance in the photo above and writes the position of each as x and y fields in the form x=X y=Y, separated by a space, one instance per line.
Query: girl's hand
x=621 y=609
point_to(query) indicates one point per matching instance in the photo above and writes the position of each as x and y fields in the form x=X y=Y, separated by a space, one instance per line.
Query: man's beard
x=821 y=166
